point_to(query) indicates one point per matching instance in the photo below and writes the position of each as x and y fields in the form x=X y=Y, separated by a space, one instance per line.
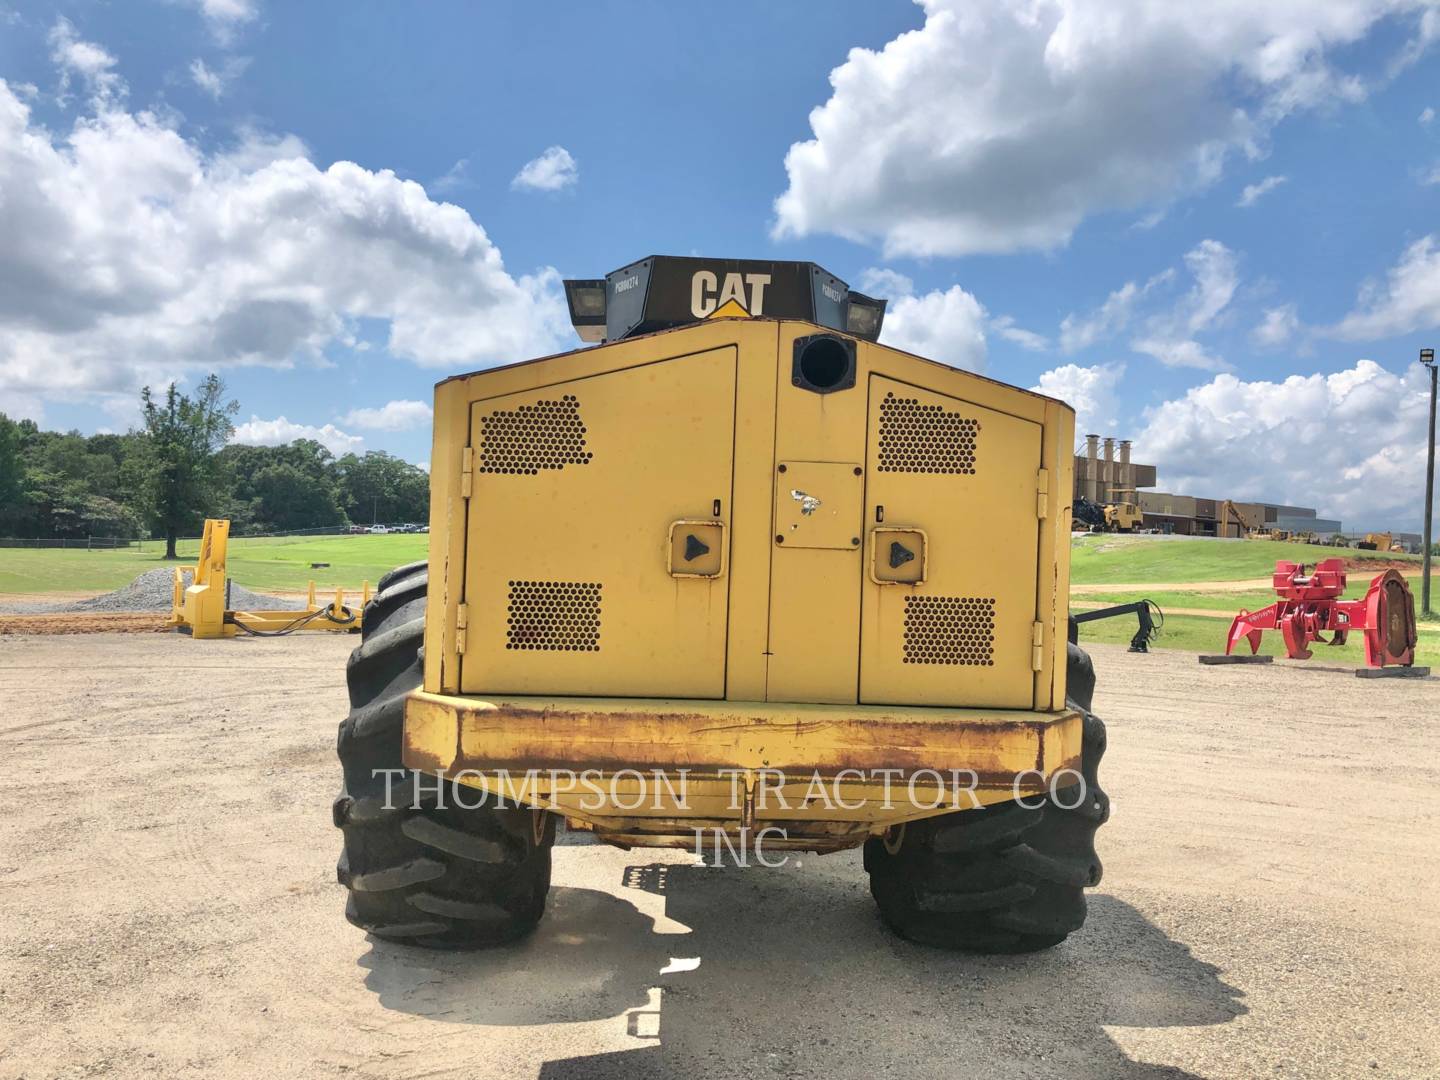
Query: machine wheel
x=1010 y=878
x=436 y=874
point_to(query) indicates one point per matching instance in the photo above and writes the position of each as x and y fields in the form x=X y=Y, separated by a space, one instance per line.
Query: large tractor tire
x=425 y=871
x=1010 y=878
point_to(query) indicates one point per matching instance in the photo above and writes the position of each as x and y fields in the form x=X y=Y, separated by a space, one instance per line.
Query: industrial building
x=1105 y=474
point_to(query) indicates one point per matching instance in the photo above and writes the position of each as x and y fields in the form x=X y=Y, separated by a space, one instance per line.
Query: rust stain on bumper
x=453 y=733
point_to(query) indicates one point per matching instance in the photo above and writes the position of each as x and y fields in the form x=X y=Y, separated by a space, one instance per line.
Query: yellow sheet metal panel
x=967 y=476
x=817 y=504
x=793 y=618
x=815 y=591
x=575 y=489
x=1052 y=600
x=447 y=536
x=747 y=661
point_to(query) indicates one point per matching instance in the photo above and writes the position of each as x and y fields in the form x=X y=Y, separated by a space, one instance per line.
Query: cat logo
x=739 y=296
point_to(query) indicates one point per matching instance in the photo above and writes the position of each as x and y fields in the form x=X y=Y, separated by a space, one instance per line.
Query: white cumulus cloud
x=1166 y=333
x=1278 y=327
x=551 y=171
x=1179 y=352
x=225 y=18
x=1350 y=443
x=278 y=432
x=1169 y=335
x=1407 y=300
x=392 y=416
x=91 y=63
x=1110 y=318
x=131 y=255
x=1000 y=126
x=1005 y=327
x=1253 y=193
x=216 y=81
x=881 y=281
x=1093 y=392
x=946 y=326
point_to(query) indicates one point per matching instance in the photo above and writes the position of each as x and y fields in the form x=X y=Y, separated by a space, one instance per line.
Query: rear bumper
x=651 y=772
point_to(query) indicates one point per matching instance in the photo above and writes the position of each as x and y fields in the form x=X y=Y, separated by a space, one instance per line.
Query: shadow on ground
x=797 y=977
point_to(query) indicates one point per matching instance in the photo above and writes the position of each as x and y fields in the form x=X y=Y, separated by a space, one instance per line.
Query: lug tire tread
x=451 y=870
x=1006 y=879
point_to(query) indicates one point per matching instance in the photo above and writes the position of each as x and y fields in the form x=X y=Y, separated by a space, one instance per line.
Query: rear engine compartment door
x=597 y=507
x=950 y=498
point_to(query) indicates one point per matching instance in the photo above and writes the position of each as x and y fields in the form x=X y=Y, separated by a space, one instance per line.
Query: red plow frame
x=1310 y=607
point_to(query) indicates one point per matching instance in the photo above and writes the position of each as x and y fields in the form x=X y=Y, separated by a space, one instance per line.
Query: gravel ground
x=151 y=591
x=170 y=906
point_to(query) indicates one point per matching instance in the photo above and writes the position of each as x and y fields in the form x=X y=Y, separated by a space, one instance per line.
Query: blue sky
x=1055 y=194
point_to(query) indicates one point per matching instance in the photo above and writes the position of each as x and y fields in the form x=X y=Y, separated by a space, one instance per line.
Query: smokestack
x=1107 y=475
x=1127 y=474
x=1092 y=468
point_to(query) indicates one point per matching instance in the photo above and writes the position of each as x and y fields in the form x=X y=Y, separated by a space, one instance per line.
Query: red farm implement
x=1310 y=607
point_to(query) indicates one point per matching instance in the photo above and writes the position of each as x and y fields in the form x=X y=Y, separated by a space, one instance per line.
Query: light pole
x=1427 y=357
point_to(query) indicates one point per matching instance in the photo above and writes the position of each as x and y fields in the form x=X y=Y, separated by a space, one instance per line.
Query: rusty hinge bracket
x=467 y=471
x=1042 y=493
x=462 y=623
x=1037 y=646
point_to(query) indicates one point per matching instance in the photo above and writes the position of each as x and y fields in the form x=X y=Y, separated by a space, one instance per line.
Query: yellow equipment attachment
x=756 y=552
x=200 y=609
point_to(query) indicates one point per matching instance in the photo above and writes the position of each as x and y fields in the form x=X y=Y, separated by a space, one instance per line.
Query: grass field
x=1100 y=560
x=280 y=563
x=284 y=564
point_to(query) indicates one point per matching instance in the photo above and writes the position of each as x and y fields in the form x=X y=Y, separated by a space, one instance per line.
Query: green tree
x=288 y=498
x=382 y=488
x=12 y=475
x=302 y=495
x=180 y=477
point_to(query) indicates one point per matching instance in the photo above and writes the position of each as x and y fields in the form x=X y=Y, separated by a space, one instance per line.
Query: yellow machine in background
x=737 y=577
x=1124 y=515
x=201 y=610
x=1381 y=542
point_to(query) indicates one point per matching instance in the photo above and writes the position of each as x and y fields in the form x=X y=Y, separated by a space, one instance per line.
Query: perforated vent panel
x=554 y=616
x=950 y=630
x=546 y=435
x=920 y=438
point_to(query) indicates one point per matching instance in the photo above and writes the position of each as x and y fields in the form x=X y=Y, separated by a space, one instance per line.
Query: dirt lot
x=86 y=623
x=170 y=907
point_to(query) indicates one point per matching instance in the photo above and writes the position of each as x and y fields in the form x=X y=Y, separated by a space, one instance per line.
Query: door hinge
x=1042 y=493
x=1037 y=646
x=467 y=471
x=462 y=623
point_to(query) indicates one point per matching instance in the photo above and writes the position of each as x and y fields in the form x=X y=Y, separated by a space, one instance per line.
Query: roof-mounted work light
x=586 y=298
x=864 y=316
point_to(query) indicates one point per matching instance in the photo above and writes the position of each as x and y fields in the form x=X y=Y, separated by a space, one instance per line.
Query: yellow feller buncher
x=733 y=577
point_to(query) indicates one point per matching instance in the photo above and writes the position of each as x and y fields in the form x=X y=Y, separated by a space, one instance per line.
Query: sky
x=1210 y=228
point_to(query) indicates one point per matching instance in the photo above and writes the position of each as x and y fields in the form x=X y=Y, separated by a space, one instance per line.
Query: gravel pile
x=151 y=591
